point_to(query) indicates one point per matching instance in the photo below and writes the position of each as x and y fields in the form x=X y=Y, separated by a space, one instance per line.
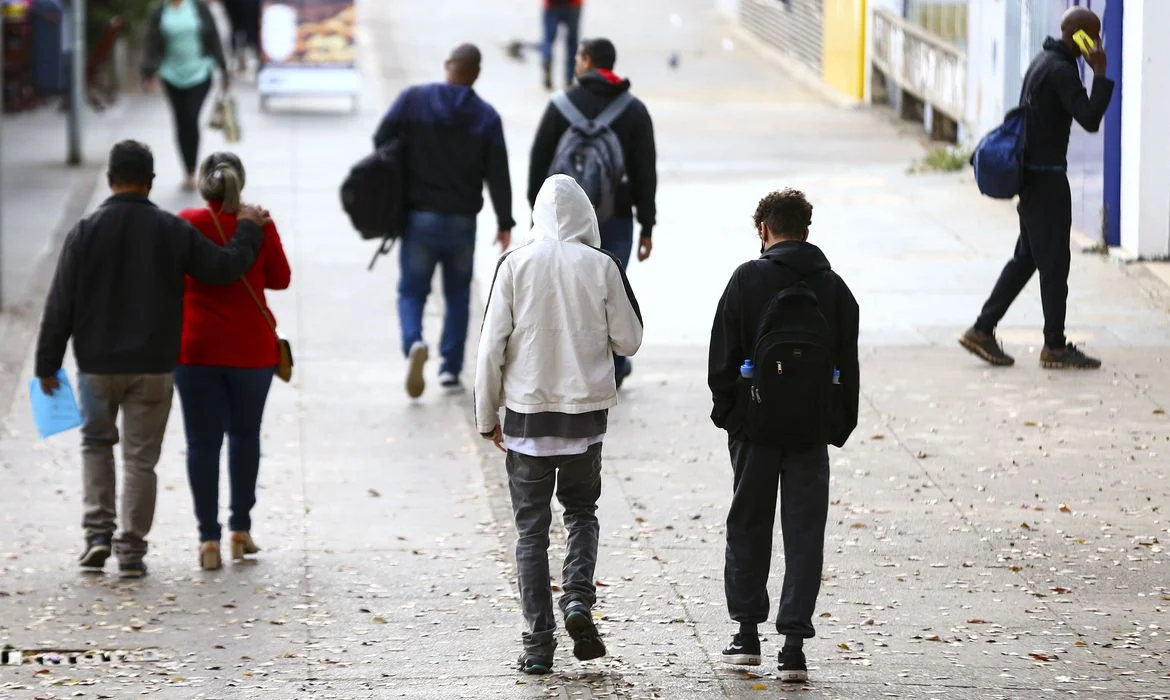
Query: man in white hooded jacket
x=559 y=308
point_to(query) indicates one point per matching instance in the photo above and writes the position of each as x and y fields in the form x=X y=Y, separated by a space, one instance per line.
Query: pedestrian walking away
x=453 y=141
x=785 y=384
x=118 y=293
x=183 y=50
x=1052 y=97
x=558 y=14
x=623 y=183
x=226 y=364
x=244 y=17
x=556 y=387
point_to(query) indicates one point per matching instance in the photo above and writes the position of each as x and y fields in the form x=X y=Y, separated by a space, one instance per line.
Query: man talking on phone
x=1052 y=96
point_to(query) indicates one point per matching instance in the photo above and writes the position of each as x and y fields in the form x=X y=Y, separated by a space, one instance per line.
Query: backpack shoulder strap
x=614 y=109
x=567 y=109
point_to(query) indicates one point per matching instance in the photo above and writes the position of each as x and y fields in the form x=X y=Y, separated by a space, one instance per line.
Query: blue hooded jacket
x=454 y=141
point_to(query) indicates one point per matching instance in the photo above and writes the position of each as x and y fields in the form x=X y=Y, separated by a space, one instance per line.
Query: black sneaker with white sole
x=132 y=569
x=535 y=665
x=587 y=644
x=744 y=650
x=97 y=551
x=793 y=668
x=450 y=383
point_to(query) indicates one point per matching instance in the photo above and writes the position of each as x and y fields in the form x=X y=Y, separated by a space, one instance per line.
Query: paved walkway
x=993 y=534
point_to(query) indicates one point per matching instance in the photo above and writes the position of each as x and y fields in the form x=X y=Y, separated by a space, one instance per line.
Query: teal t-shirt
x=184 y=64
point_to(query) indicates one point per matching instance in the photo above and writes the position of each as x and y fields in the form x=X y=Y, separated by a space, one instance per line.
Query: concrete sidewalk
x=993 y=534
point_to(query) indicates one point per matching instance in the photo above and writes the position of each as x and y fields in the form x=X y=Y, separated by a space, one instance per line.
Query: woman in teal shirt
x=183 y=50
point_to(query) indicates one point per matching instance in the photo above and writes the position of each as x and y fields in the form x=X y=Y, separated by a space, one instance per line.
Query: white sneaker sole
x=415 y=384
x=793 y=676
x=742 y=659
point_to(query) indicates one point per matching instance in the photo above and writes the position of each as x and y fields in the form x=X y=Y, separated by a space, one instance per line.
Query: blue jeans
x=617 y=237
x=553 y=18
x=437 y=239
x=218 y=400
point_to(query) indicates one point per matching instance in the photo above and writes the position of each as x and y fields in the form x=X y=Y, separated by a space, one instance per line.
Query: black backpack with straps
x=791 y=393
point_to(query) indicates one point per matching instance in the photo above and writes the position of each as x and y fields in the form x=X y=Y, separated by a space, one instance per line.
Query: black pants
x=1045 y=210
x=244 y=17
x=802 y=479
x=186 y=106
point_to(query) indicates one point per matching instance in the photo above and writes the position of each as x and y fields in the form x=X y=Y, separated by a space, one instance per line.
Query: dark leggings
x=186 y=105
x=219 y=400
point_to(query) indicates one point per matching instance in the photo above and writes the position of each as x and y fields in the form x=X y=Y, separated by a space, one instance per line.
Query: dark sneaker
x=416 y=359
x=587 y=642
x=135 y=569
x=534 y=665
x=1070 y=357
x=792 y=666
x=984 y=346
x=97 y=551
x=744 y=650
x=546 y=76
x=623 y=371
x=450 y=383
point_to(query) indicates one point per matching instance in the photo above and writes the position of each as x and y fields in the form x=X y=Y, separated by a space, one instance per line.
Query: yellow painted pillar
x=843 y=65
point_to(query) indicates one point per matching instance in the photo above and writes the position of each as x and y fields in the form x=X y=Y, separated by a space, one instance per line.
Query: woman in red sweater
x=226 y=366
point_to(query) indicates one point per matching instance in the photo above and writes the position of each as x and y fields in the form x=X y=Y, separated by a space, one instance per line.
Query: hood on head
x=563 y=212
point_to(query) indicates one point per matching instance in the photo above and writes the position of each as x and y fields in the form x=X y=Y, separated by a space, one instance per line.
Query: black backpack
x=374 y=194
x=790 y=395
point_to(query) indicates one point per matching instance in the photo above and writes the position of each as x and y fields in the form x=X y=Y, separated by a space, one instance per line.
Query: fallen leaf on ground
x=1042 y=657
x=759 y=686
x=843 y=645
x=374 y=493
x=1064 y=509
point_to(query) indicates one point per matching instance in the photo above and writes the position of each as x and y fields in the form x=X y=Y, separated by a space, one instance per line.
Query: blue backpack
x=999 y=157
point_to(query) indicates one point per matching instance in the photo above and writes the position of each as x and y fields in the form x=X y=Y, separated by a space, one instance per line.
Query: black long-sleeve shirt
x=454 y=141
x=737 y=320
x=1054 y=96
x=634 y=130
x=118 y=289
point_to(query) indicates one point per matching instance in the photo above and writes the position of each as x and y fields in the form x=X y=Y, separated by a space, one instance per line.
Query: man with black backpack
x=784 y=380
x=602 y=136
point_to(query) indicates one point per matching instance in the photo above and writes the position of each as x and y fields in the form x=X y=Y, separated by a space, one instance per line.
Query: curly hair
x=787 y=213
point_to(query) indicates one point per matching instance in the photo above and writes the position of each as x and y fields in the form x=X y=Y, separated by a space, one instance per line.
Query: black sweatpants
x=801 y=477
x=186 y=106
x=1045 y=210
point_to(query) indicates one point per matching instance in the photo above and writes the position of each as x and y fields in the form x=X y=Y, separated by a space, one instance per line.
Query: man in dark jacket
x=801 y=474
x=597 y=86
x=1053 y=96
x=453 y=142
x=118 y=293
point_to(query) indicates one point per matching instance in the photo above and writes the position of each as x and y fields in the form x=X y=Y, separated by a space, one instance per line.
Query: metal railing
x=924 y=65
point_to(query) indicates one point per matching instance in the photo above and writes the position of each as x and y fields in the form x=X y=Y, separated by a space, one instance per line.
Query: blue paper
x=57 y=413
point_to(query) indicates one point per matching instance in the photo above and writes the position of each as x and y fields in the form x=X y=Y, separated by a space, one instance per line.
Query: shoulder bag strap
x=566 y=107
x=614 y=109
x=247 y=285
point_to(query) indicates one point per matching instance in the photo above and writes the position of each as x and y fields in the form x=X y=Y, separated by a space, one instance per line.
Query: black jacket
x=634 y=129
x=733 y=334
x=454 y=141
x=118 y=290
x=1054 y=96
x=156 y=44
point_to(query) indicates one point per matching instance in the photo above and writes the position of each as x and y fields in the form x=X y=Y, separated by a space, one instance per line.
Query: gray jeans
x=576 y=479
x=145 y=403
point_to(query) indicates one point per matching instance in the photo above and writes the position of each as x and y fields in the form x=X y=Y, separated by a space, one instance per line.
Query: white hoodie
x=559 y=308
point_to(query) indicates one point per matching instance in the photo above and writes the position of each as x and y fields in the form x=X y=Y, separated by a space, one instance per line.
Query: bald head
x=1080 y=19
x=463 y=65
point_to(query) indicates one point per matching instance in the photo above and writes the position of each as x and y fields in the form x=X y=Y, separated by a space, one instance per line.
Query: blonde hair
x=221 y=179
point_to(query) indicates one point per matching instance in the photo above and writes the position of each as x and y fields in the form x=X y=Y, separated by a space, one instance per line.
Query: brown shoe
x=242 y=544
x=984 y=346
x=209 y=557
x=1068 y=357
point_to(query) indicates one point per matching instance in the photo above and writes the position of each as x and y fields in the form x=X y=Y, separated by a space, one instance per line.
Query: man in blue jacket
x=452 y=142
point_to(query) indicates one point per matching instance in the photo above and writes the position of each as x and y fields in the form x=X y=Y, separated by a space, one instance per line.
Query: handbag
x=284 y=363
x=225 y=117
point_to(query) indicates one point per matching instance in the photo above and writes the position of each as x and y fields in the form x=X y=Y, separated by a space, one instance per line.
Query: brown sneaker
x=984 y=346
x=1068 y=357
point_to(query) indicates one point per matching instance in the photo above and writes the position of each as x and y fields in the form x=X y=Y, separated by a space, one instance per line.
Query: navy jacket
x=118 y=290
x=454 y=141
x=1055 y=96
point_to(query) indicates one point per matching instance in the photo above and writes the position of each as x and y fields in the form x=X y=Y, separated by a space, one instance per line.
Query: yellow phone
x=1085 y=42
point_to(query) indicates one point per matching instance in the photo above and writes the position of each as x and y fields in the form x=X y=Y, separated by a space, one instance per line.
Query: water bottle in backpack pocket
x=791 y=391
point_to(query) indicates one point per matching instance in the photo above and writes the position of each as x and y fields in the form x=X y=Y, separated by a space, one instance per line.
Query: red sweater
x=548 y=4
x=222 y=326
